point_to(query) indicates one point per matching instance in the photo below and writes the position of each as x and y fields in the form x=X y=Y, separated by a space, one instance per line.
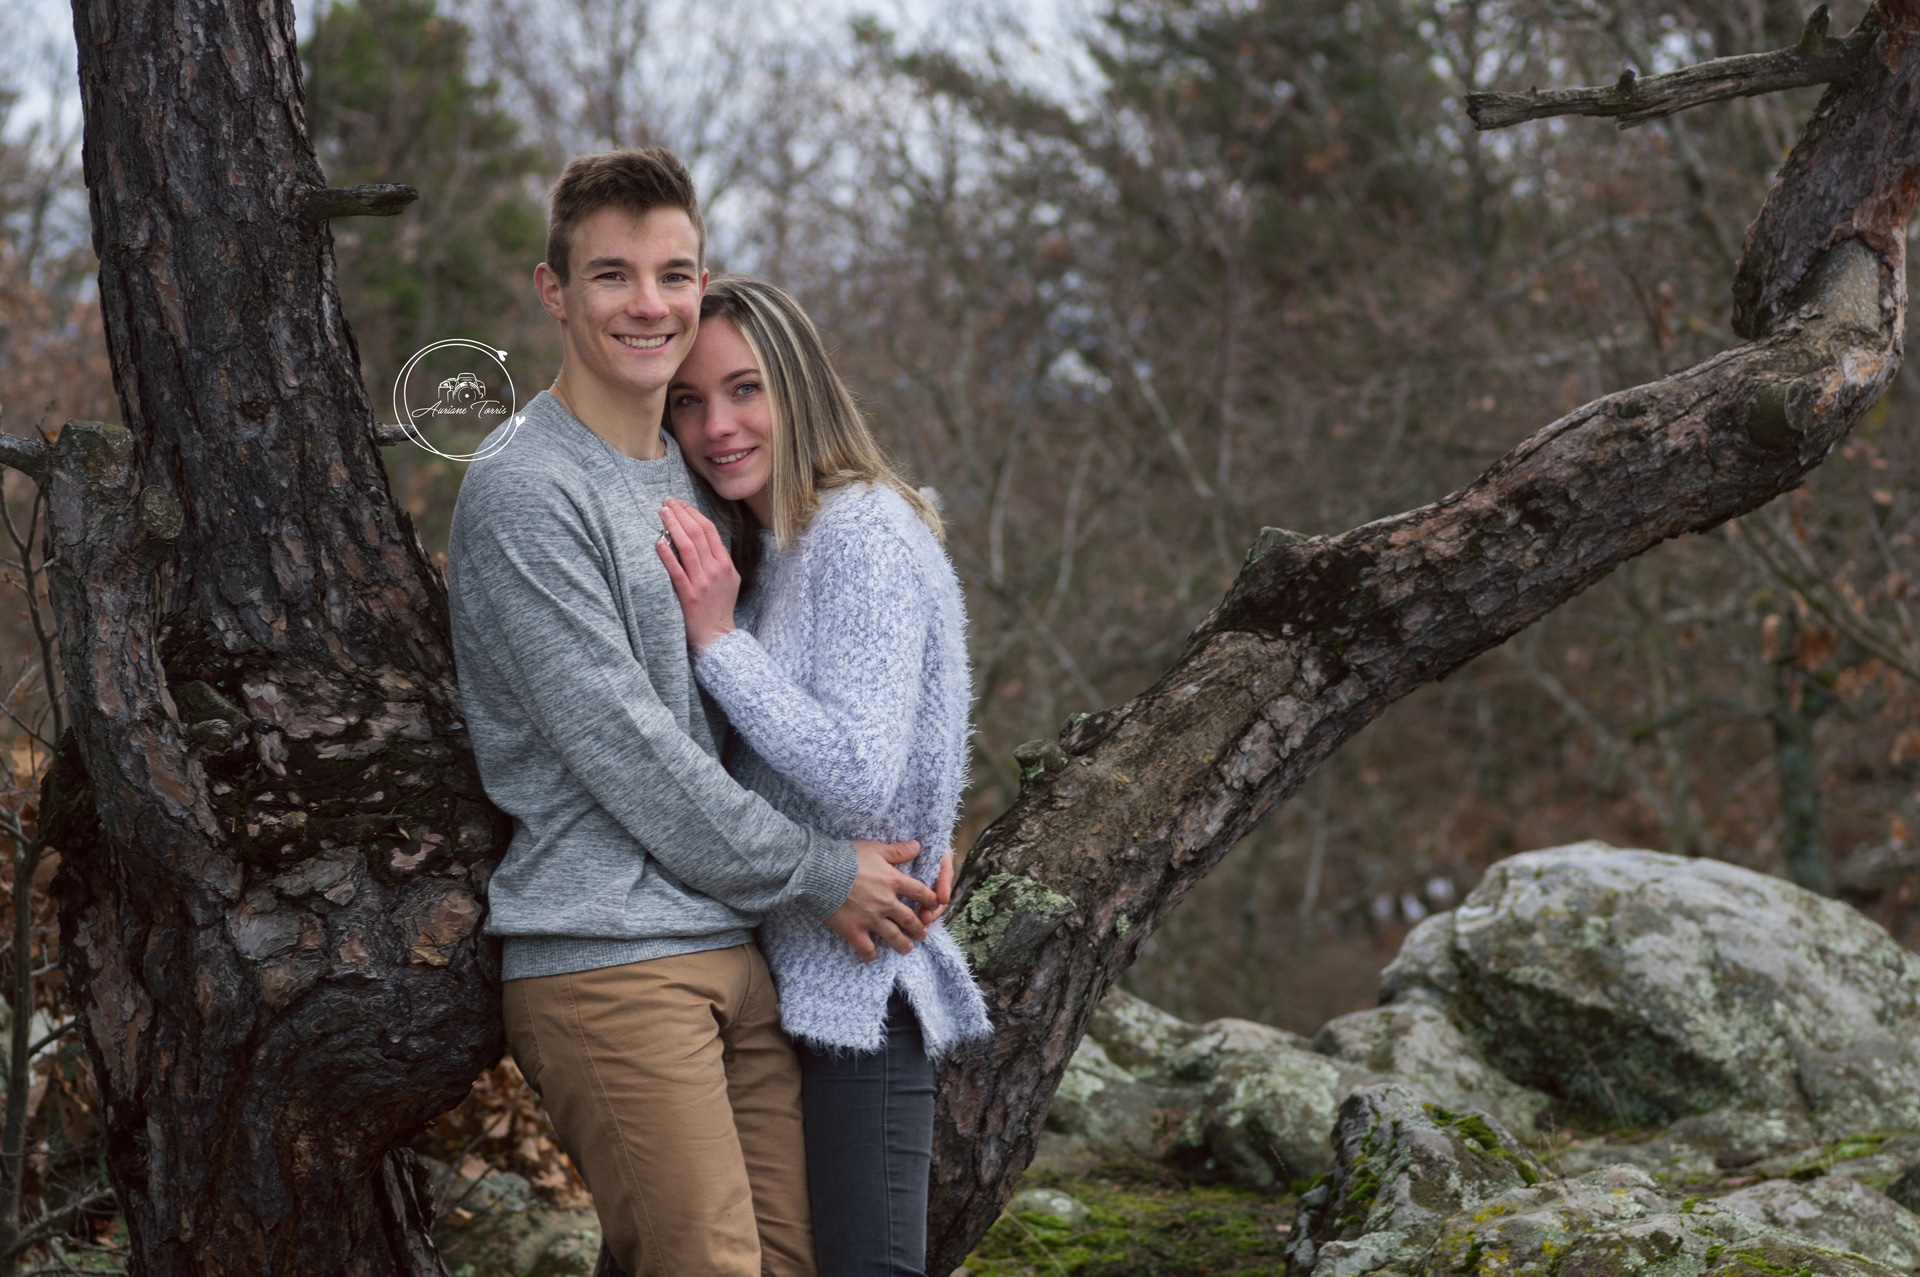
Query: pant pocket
x=522 y=1041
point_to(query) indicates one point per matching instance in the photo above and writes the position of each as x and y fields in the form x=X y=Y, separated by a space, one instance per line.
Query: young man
x=636 y=1002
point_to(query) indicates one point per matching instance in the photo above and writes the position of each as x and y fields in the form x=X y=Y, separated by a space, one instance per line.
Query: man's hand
x=874 y=908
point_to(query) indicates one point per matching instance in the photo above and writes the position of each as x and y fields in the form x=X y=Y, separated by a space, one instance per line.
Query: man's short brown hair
x=637 y=181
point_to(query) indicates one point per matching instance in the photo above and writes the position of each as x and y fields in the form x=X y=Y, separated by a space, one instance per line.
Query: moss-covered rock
x=1836 y=1212
x=1613 y=1224
x=1875 y=1158
x=1264 y=1119
x=1403 y=1167
x=1667 y=1161
x=1102 y=1112
x=1420 y=1191
x=1645 y=990
x=1225 y=1100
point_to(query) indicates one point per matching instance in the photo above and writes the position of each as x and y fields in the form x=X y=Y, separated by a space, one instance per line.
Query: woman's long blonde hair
x=820 y=439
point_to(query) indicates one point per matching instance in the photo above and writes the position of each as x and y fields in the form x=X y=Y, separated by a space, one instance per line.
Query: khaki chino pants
x=677 y=1095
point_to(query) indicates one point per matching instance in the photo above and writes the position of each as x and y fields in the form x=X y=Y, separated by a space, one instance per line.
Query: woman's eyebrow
x=732 y=377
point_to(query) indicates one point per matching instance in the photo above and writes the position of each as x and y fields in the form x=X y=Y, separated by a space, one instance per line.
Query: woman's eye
x=747 y=388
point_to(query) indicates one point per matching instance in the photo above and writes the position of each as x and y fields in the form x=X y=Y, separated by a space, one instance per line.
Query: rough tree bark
x=274 y=845
x=1318 y=636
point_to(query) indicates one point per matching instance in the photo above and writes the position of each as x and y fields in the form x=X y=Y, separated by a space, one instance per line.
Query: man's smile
x=642 y=343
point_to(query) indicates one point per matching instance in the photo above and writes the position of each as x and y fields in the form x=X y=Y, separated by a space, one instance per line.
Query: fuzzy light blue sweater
x=848 y=690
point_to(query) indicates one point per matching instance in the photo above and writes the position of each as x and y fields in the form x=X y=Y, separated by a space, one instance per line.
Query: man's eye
x=675 y=277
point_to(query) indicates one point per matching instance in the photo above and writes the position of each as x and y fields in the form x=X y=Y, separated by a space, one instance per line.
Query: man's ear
x=703 y=281
x=547 y=284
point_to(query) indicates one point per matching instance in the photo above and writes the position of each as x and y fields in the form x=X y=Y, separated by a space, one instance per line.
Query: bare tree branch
x=1784 y=558
x=1816 y=59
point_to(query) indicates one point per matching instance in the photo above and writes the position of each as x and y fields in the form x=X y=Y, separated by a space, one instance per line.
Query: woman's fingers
x=715 y=546
x=942 y=892
x=675 y=572
x=692 y=551
x=700 y=545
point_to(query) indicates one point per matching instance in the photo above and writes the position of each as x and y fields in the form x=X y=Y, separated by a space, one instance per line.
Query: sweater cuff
x=725 y=653
x=827 y=879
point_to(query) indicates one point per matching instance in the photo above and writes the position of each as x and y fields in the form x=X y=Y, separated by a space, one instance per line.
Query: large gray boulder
x=1646 y=990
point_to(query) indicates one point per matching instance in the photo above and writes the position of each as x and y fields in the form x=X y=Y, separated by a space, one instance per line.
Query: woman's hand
x=942 y=891
x=703 y=574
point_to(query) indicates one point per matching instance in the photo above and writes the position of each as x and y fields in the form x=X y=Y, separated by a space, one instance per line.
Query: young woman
x=844 y=674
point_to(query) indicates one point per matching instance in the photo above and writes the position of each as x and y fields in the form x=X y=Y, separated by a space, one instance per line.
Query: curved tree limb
x=1318 y=636
x=1816 y=59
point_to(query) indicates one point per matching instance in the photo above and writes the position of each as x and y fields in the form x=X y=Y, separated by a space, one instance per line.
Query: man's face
x=629 y=312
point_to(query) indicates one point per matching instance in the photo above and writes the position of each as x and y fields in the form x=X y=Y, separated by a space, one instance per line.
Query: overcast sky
x=36 y=39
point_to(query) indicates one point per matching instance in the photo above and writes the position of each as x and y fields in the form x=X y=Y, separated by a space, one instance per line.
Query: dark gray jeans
x=869 y=1124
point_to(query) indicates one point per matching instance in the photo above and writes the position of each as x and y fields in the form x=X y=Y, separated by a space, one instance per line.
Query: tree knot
x=1038 y=757
x=1002 y=923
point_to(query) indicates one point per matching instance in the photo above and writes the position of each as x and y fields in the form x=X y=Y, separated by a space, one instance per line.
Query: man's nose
x=646 y=302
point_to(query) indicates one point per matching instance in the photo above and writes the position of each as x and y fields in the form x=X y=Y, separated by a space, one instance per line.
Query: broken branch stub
x=374 y=199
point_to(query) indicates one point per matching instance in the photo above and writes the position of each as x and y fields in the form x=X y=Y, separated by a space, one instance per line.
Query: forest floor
x=1142 y=1219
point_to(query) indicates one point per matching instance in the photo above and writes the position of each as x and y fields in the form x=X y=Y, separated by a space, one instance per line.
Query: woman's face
x=722 y=418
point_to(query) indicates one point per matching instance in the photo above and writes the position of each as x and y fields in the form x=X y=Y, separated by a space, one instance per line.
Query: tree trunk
x=273 y=839
x=1318 y=636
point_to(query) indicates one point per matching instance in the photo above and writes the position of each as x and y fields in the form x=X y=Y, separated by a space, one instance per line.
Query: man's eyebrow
x=600 y=263
x=680 y=263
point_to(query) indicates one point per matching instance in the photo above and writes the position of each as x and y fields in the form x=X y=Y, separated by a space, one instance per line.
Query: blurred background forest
x=1124 y=287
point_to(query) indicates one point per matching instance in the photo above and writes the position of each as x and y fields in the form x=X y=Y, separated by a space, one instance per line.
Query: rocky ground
x=1602 y=1063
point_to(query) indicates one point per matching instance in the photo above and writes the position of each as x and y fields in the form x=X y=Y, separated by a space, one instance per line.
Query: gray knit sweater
x=629 y=839
x=848 y=690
